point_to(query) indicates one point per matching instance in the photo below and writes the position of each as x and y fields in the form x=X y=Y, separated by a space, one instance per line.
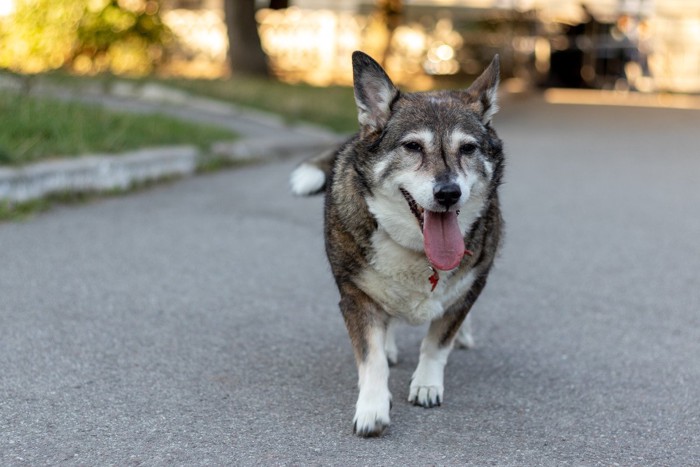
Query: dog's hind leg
x=465 y=335
x=392 y=351
x=367 y=325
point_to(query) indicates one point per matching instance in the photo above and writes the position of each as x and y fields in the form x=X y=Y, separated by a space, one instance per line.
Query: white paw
x=425 y=396
x=306 y=180
x=372 y=414
x=427 y=381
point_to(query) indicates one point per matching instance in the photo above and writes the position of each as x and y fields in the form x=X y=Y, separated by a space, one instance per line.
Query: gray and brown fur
x=358 y=171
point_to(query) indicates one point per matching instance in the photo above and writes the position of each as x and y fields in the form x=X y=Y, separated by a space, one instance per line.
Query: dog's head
x=433 y=158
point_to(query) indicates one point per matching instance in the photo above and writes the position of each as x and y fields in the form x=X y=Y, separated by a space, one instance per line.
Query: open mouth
x=443 y=241
x=415 y=208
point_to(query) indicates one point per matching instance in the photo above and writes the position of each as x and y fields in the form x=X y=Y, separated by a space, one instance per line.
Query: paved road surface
x=196 y=323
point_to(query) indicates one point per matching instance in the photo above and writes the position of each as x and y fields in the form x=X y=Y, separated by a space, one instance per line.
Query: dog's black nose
x=447 y=194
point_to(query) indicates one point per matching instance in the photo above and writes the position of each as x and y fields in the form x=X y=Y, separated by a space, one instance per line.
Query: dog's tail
x=310 y=177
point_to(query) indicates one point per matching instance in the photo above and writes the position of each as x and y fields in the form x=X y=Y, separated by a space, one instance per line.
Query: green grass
x=332 y=107
x=10 y=211
x=36 y=128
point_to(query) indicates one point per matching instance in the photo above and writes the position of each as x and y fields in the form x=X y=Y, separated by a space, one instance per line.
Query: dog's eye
x=467 y=148
x=413 y=146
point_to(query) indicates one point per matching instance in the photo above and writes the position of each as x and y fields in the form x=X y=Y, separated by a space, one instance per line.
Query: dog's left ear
x=374 y=93
x=484 y=91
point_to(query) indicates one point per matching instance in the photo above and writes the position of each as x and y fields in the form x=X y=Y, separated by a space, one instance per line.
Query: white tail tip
x=306 y=180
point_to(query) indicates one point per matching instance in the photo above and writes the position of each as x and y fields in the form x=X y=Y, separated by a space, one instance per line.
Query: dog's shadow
x=488 y=383
x=301 y=374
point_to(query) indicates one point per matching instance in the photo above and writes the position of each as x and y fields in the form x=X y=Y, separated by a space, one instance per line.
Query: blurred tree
x=279 y=4
x=39 y=34
x=390 y=13
x=244 y=50
x=124 y=40
x=380 y=28
x=122 y=36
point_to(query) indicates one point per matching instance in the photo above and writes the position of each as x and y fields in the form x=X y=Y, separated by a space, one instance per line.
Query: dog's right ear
x=374 y=93
x=483 y=92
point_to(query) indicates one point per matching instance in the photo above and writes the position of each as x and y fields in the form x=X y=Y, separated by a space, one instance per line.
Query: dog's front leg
x=367 y=325
x=427 y=382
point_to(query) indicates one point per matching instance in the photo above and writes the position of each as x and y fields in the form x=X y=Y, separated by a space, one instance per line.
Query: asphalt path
x=196 y=323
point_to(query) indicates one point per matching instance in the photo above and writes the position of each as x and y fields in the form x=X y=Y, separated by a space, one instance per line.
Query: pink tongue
x=443 y=242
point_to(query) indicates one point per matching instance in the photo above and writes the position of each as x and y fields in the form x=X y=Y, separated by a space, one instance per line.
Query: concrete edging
x=97 y=172
x=103 y=172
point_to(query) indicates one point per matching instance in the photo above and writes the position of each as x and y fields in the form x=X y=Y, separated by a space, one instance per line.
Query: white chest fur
x=398 y=279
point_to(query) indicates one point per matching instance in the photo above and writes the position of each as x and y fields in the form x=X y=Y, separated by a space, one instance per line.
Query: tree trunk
x=389 y=13
x=244 y=51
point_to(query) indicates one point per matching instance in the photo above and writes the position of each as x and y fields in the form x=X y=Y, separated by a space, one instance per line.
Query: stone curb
x=97 y=172
x=103 y=172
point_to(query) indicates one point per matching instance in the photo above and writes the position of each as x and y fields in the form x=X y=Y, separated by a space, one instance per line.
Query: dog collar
x=435 y=277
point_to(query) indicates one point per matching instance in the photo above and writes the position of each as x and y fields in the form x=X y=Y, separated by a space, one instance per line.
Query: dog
x=412 y=225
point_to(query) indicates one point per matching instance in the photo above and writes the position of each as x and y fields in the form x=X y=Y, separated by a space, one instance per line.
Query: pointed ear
x=484 y=91
x=374 y=93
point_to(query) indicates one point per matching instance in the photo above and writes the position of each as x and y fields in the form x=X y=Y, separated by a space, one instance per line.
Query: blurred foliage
x=37 y=36
x=123 y=40
x=86 y=36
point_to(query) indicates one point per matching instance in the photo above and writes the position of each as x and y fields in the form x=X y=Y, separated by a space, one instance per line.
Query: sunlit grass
x=36 y=128
x=332 y=107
